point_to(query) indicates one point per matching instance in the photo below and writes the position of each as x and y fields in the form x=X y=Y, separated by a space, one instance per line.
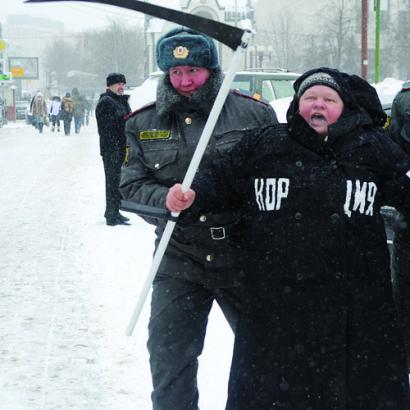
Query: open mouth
x=318 y=119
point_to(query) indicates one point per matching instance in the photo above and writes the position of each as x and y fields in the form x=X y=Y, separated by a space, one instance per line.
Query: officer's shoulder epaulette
x=252 y=96
x=138 y=110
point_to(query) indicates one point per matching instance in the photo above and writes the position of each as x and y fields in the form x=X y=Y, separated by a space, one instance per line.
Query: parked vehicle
x=269 y=84
x=29 y=116
x=3 y=113
x=21 y=109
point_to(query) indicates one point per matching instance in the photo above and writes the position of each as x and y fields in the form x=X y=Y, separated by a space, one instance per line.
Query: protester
x=400 y=115
x=67 y=108
x=320 y=328
x=110 y=113
x=200 y=263
x=40 y=113
x=54 y=111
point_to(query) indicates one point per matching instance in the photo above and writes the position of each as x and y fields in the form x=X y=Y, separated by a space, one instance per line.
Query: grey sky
x=76 y=16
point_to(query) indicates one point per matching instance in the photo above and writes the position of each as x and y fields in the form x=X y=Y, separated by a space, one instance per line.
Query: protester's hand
x=177 y=200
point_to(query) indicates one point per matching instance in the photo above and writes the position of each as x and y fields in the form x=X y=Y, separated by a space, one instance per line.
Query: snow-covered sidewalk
x=68 y=284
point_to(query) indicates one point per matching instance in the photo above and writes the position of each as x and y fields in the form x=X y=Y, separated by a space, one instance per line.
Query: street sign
x=5 y=77
x=2 y=45
x=17 y=72
x=24 y=67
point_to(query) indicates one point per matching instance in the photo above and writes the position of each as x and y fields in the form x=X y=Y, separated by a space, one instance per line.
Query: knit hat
x=183 y=46
x=318 y=78
x=114 y=78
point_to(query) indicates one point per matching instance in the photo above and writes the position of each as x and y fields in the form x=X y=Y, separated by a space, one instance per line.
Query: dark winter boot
x=52 y=128
x=123 y=218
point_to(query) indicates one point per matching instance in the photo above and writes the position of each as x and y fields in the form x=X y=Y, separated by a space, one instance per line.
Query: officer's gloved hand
x=177 y=200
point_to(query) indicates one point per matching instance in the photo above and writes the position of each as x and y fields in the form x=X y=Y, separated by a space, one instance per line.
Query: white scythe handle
x=190 y=174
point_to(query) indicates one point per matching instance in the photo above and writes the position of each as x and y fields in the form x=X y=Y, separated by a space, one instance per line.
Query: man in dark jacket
x=110 y=112
x=400 y=116
x=200 y=264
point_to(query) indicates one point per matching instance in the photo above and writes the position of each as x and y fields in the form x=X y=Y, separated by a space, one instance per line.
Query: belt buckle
x=218 y=233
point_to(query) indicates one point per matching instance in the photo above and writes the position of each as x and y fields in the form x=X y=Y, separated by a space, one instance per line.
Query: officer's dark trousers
x=112 y=170
x=401 y=278
x=177 y=327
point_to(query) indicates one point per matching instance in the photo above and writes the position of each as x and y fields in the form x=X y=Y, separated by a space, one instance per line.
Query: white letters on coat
x=360 y=197
x=269 y=192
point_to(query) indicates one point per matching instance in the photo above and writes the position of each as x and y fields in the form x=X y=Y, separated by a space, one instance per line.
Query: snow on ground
x=68 y=285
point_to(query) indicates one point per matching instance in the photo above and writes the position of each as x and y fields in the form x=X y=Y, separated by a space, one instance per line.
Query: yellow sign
x=2 y=44
x=17 y=72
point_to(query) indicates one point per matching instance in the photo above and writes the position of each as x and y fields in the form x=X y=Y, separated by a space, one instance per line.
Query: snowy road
x=68 y=284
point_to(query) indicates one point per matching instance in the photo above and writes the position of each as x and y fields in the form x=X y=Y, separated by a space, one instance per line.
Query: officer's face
x=320 y=106
x=117 y=88
x=186 y=79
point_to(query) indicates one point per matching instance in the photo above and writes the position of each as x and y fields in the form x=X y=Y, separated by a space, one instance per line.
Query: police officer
x=110 y=113
x=200 y=264
x=400 y=116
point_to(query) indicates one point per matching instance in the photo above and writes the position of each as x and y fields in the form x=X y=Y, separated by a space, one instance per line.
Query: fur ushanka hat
x=183 y=46
x=114 y=78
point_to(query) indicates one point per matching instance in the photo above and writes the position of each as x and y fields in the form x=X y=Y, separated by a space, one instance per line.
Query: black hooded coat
x=320 y=330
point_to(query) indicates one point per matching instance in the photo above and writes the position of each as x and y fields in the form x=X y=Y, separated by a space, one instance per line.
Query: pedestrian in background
x=200 y=265
x=87 y=111
x=110 y=113
x=67 y=108
x=55 y=108
x=78 y=110
x=400 y=132
x=40 y=112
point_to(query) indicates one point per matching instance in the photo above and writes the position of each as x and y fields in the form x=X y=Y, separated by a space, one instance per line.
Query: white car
x=146 y=92
x=269 y=84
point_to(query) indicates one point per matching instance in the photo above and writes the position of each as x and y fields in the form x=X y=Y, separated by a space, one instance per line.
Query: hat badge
x=180 y=52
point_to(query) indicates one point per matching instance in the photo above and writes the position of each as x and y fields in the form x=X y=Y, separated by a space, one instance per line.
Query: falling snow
x=69 y=283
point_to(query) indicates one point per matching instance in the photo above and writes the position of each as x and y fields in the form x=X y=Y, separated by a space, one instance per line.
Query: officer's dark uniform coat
x=160 y=150
x=200 y=264
x=320 y=331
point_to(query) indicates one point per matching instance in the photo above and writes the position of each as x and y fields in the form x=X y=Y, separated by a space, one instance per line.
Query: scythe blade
x=225 y=33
